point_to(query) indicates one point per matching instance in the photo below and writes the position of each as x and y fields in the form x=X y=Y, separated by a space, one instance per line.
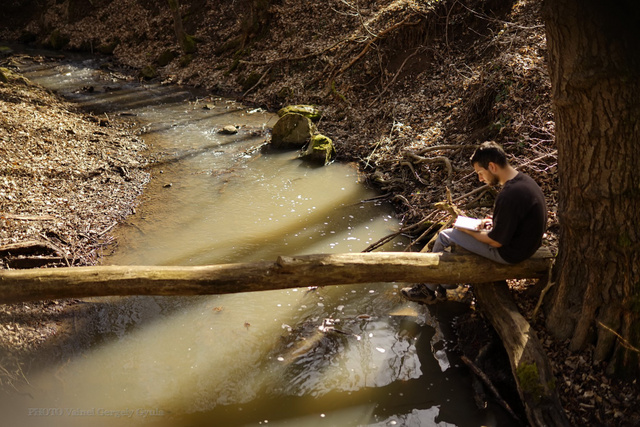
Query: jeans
x=450 y=236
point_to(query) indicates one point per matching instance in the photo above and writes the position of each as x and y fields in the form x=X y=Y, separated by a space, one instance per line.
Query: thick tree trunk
x=286 y=272
x=594 y=64
x=529 y=364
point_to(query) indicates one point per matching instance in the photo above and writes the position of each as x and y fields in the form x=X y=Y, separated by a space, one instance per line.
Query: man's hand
x=486 y=224
x=482 y=236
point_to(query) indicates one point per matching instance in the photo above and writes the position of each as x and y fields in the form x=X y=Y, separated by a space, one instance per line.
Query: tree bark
x=182 y=37
x=529 y=364
x=286 y=272
x=594 y=64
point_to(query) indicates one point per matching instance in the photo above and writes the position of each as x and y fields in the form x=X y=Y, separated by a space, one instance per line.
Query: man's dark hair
x=489 y=152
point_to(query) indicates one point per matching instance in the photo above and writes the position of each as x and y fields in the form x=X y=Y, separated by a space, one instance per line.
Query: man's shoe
x=441 y=293
x=419 y=293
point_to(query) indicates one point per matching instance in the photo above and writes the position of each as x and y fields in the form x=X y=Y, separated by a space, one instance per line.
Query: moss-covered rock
x=148 y=72
x=8 y=76
x=308 y=111
x=292 y=131
x=320 y=150
x=108 y=48
x=5 y=51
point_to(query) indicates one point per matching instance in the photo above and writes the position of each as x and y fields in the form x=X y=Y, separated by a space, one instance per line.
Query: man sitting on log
x=515 y=232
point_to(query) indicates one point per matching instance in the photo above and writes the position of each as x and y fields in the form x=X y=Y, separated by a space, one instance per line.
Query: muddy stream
x=333 y=356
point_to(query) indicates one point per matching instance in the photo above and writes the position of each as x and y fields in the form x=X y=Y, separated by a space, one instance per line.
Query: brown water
x=334 y=356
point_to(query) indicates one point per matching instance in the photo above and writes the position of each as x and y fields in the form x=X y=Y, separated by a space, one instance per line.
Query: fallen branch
x=257 y=83
x=29 y=247
x=529 y=363
x=297 y=58
x=4 y=215
x=485 y=379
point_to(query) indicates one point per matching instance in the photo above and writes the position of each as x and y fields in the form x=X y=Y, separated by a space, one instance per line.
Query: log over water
x=285 y=272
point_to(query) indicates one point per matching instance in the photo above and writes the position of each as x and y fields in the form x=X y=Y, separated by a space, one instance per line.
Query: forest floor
x=407 y=90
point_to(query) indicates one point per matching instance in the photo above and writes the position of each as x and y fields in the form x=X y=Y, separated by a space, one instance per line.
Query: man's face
x=485 y=175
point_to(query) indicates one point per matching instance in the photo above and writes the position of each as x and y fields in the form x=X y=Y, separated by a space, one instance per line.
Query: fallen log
x=529 y=363
x=285 y=272
x=28 y=247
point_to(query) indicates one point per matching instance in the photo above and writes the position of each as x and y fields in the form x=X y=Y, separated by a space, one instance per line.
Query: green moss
x=189 y=44
x=320 y=149
x=8 y=76
x=108 y=48
x=57 y=40
x=336 y=93
x=186 y=60
x=232 y=44
x=5 y=50
x=234 y=66
x=310 y=111
x=148 y=72
x=529 y=380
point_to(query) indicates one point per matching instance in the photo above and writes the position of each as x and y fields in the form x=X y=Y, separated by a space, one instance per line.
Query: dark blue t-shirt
x=519 y=218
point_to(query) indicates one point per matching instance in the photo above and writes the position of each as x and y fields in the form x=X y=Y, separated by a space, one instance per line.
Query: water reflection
x=339 y=356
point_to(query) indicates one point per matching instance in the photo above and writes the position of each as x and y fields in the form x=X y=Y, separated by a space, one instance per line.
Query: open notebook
x=468 y=223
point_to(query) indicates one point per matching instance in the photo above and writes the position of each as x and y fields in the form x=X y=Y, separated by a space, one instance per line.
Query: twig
x=548 y=286
x=392 y=236
x=425 y=233
x=623 y=342
x=368 y=46
x=257 y=83
x=394 y=77
x=446 y=30
x=445 y=147
x=296 y=58
x=550 y=154
x=490 y=385
x=471 y=193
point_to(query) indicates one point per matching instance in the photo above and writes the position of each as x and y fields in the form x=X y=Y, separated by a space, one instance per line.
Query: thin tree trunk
x=177 y=26
x=594 y=64
x=286 y=272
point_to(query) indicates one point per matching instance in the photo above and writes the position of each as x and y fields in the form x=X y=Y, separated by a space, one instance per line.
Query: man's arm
x=482 y=236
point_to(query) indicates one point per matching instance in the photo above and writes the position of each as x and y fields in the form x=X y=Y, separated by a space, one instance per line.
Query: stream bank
x=70 y=176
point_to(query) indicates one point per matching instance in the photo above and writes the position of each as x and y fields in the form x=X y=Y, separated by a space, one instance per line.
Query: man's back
x=519 y=218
